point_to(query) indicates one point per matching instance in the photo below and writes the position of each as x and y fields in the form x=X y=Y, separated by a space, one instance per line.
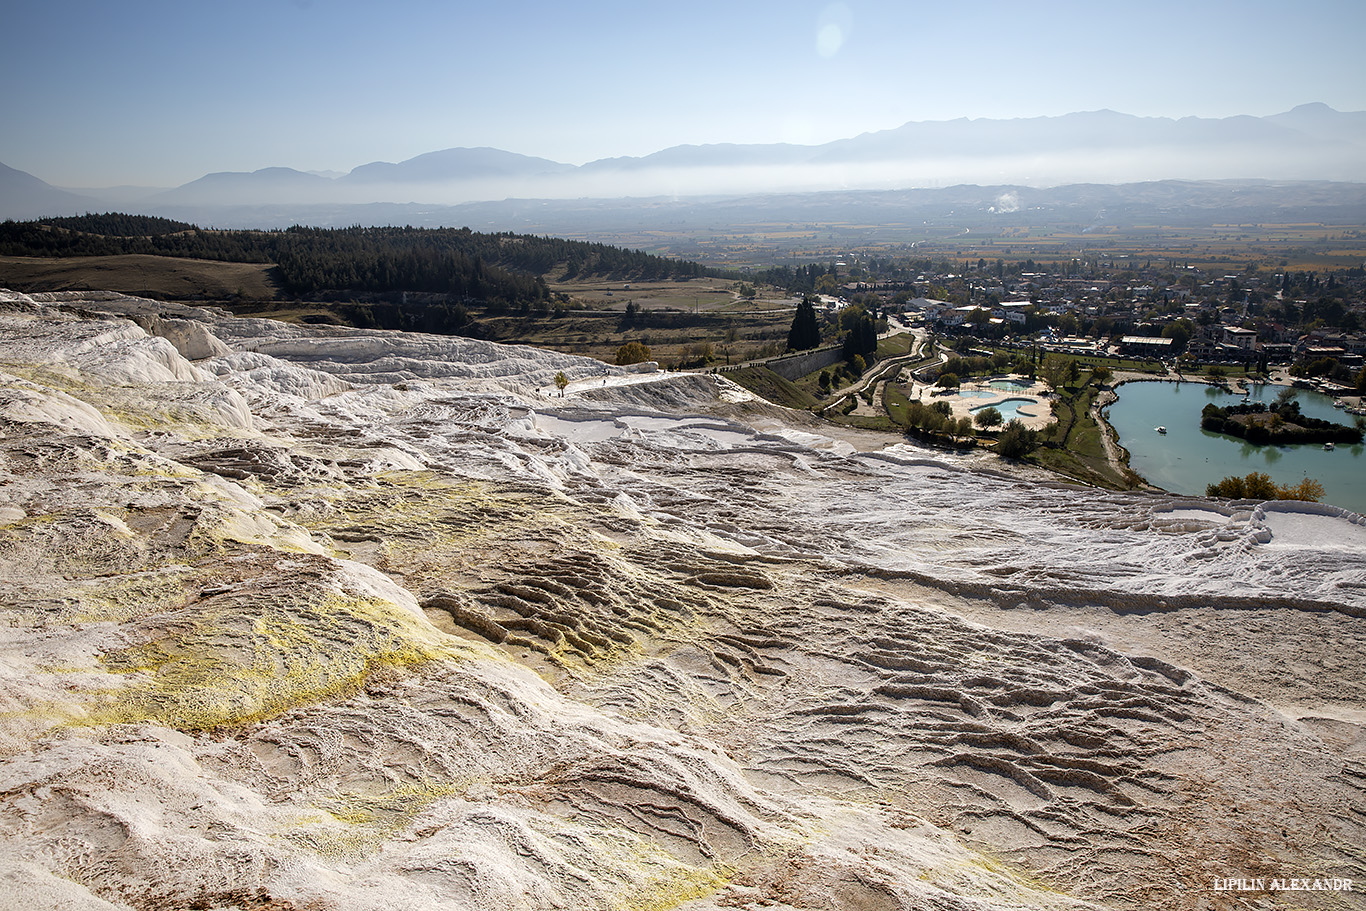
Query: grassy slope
x=160 y=277
x=764 y=382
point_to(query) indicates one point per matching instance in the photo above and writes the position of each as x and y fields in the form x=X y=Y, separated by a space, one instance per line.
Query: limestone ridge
x=307 y=618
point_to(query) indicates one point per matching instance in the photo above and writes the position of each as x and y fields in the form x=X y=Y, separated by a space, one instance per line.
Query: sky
x=150 y=93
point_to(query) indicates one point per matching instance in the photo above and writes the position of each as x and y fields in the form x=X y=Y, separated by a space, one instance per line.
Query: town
x=1253 y=320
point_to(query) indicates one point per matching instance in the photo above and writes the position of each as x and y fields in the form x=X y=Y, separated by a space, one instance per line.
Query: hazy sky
x=102 y=93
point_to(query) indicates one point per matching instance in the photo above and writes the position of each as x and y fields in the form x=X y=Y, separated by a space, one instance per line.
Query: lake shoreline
x=1123 y=458
x=1115 y=451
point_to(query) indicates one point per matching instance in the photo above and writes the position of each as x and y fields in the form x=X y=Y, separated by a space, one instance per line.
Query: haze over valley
x=1310 y=142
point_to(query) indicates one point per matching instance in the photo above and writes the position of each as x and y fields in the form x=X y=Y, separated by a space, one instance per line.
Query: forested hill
x=454 y=261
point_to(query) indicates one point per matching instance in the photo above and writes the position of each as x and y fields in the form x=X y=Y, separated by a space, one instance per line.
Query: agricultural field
x=1300 y=247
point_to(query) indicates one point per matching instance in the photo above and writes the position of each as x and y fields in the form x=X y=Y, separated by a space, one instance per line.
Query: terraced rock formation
x=303 y=618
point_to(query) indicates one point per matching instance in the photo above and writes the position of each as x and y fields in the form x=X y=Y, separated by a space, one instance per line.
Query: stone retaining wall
x=798 y=365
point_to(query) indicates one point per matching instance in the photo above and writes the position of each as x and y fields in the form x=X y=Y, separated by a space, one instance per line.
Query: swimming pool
x=976 y=394
x=1015 y=408
x=1009 y=385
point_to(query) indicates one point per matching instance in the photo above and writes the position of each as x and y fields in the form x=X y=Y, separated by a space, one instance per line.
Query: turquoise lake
x=1186 y=458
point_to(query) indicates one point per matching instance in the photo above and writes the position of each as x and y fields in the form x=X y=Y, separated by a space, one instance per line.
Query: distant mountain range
x=24 y=196
x=1313 y=142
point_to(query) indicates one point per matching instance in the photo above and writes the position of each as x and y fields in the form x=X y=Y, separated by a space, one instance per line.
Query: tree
x=1180 y=332
x=988 y=417
x=825 y=381
x=1100 y=375
x=1017 y=441
x=806 y=331
x=1055 y=371
x=862 y=335
x=561 y=381
x=1259 y=486
x=1308 y=490
x=632 y=353
x=947 y=381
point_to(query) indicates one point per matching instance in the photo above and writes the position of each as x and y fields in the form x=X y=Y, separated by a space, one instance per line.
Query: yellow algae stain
x=423 y=506
x=231 y=665
x=981 y=875
x=395 y=808
x=138 y=412
x=136 y=408
x=227 y=518
x=131 y=596
x=679 y=885
x=354 y=824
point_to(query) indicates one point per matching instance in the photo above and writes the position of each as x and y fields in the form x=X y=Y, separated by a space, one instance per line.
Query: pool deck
x=963 y=407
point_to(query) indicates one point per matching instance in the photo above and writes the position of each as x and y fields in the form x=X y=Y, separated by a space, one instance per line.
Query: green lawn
x=894 y=346
x=1073 y=446
x=896 y=403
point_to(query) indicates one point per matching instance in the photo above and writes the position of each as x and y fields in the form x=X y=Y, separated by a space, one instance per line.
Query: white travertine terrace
x=305 y=618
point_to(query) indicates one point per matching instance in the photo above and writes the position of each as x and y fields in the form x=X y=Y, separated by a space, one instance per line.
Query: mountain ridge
x=1310 y=142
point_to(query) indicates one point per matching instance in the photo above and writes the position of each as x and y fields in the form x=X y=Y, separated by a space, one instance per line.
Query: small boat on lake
x=1327 y=447
x=1160 y=429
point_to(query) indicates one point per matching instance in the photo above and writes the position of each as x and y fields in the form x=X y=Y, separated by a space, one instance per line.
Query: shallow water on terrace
x=1296 y=529
x=722 y=434
x=1185 y=459
x=585 y=431
x=1197 y=515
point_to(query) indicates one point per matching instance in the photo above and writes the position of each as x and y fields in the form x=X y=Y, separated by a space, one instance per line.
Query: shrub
x=1017 y=441
x=632 y=353
x=1259 y=486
